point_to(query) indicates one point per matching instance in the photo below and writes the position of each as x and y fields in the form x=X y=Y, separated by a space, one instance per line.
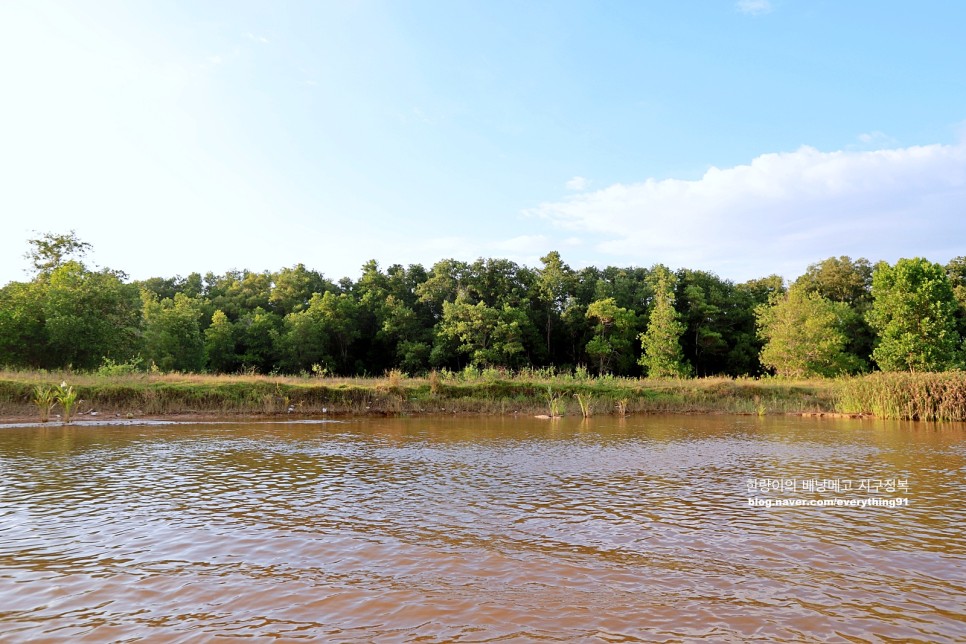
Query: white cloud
x=259 y=39
x=876 y=139
x=754 y=7
x=782 y=211
x=577 y=183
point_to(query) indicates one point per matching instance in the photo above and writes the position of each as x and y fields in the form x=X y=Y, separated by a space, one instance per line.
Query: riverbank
x=154 y=395
x=137 y=395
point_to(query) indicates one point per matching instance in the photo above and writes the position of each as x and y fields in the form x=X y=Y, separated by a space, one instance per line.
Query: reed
x=491 y=392
x=555 y=403
x=905 y=396
x=584 y=405
x=621 y=406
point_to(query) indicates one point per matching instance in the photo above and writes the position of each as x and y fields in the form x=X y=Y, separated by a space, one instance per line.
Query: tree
x=804 y=335
x=956 y=271
x=612 y=343
x=322 y=333
x=292 y=288
x=257 y=333
x=840 y=279
x=488 y=335
x=913 y=311
x=89 y=316
x=220 y=344
x=50 y=251
x=661 y=341
x=23 y=337
x=172 y=336
x=555 y=282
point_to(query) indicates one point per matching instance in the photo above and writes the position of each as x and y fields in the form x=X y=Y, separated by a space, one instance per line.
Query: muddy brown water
x=493 y=529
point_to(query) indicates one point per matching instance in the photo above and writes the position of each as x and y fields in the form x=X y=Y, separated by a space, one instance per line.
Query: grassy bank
x=140 y=394
x=908 y=396
x=905 y=396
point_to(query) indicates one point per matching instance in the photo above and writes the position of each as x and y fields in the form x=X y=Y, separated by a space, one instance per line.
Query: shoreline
x=160 y=396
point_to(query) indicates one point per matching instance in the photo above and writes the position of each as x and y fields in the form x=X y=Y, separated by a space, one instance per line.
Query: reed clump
x=905 y=396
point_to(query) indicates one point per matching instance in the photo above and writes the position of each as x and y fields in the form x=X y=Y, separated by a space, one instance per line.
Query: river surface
x=650 y=529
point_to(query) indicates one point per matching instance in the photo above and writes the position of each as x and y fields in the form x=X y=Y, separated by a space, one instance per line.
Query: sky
x=744 y=138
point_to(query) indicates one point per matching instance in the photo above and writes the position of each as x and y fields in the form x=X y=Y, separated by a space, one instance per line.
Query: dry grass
x=488 y=392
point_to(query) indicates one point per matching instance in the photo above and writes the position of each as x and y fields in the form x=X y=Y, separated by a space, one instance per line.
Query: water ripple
x=478 y=530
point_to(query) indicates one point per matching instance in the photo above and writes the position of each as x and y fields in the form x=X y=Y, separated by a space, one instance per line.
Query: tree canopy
x=486 y=313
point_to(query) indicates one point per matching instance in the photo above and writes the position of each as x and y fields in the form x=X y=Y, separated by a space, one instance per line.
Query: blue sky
x=743 y=138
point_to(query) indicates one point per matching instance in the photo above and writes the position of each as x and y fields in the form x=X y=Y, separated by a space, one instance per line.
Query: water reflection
x=451 y=530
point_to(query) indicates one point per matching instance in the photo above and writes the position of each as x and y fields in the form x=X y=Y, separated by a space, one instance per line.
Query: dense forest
x=841 y=316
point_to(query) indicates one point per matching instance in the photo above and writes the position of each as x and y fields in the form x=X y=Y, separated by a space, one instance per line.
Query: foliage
x=913 y=311
x=905 y=396
x=555 y=284
x=661 y=342
x=220 y=344
x=172 y=336
x=490 y=313
x=113 y=368
x=51 y=251
x=66 y=396
x=88 y=316
x=486 y=334
x=839 y=279
x=45 y=397
x=612 y=342
x=804 y=335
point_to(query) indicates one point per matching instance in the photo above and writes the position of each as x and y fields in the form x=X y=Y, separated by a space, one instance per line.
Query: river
x=653 y=528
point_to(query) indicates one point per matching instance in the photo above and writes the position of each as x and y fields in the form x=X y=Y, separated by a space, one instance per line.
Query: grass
x=905 y=396
x=440 y=392
x=908 y=396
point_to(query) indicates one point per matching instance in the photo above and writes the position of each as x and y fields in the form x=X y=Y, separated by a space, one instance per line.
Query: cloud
x=577 y=183
x=782 y=211
x=259 y=39
x=754 y=7
x=875 y=139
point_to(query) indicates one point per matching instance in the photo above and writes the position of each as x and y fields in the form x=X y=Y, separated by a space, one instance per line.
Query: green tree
x=220 y=344
x=489 y=336
x=612 y=344
x=661 y=342
x=913 y=311
x=956 y=271
x=805 y=335
x=172 y=336
x=292 y=288
x=257 y=333
x=50 y=251
x=322 y=333
x=555 y=282
x=89 y=316
x=840 y=279
x=23 y=336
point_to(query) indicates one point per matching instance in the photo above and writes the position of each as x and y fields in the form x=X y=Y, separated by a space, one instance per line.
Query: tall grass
x=443 y=391
x=905 y=396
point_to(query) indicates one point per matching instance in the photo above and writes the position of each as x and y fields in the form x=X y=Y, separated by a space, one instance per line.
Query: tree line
x=841 y=316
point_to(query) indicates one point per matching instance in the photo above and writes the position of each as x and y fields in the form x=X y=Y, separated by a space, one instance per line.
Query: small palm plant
x=45 y=397
x=66 y=396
